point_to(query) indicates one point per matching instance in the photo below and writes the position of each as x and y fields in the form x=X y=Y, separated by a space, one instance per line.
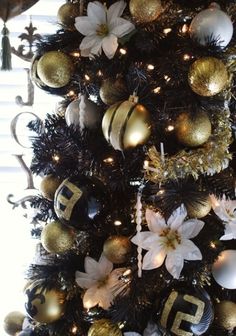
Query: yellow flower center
x=102 y=30
x=171 y=238
x=230 y=213
x=102 y=282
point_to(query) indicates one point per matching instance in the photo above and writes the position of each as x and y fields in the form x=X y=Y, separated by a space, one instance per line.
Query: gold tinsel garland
x=209 y=159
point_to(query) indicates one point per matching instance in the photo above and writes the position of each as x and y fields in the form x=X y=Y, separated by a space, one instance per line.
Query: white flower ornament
x=102 y=28
x=102 y=283
x=169 y=241
x=226 y=211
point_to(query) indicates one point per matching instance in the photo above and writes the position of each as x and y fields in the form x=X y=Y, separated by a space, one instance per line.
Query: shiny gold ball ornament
x=199 y=208
x=225 y=315
x=117 y=249
x=13 y=322
x=55 y=69
x=113 y=91
x=208 y=76
x=145 y=11
x=49 y=185
x=67 y=14
x=126 y=124
x=57 y=237
x=193 y=130
x=104 y=327
x=44 y=305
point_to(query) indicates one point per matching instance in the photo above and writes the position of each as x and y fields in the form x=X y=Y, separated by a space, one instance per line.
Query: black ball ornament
x=80 y=200
x=185 y=311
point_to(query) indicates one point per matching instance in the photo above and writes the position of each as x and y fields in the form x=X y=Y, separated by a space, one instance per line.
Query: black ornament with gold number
x=186 y=311
x=80 y=200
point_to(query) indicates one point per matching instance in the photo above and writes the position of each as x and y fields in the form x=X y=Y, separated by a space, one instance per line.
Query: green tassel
x=6 y=50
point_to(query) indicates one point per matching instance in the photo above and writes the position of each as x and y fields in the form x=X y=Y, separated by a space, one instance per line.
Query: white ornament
x=224 y=269
x=83 y=113
x=212 y=24
x=169 y=241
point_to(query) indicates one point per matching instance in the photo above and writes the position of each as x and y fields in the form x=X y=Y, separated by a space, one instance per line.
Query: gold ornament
x=13 y=322
x=44 y=305
x=104 y=327
x=145 y=11
x=57 y=237
x=199 y=208
x=208 y=76
x=113 y=91
x=55 y=69
x=225 y=315
x=117 y=249
x=49 y=185
x=67 y=14
x=126 y=124
x=193 y=130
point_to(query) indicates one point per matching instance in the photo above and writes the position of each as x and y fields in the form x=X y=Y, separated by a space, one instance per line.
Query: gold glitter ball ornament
x=67 y=14
x=145 y=11
x=208 y=76
x=193 y=130
x=199 y=208
x=104 y=327
x=225 y=315
x=113 y=91
x=117 y=249
x=57 y=237
x=13 y=322
x=55 y=69
x=44 y=305
x=49 y=185
x=126 y=124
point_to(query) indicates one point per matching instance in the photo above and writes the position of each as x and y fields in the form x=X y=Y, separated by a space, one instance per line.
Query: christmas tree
x=136 y=213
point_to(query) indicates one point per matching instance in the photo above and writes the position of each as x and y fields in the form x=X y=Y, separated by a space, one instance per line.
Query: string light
x=87 y=77
x=167 y=78
x=56 y=158
x=123 y=51
x=150 y=67
x=145 y=164
x=75 y=54
x=167 y=31
x=170 y=128
x=99 y=73
x=186 y=57
x=117 y=223
x=71 y=93
x=212 y=245
x=74 y=330
x=108 y=160
x=157 y=89
x=184 y=28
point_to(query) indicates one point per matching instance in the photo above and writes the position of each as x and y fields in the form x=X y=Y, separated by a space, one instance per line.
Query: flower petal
x=191 y=228
x=115 y=10
x=177 y=217
x=89 y=42
x=84 y=25
x=110 y=45
x=174 y=264
x=91 y=267
x=97 y=48
x=96 y=12
x=156 y=223
x=230 y=232
x=147 y=240
x=188 y=250
x=84 y=281
x=105 y=266
x=153 y=259
x=91 y=297
x=121 y=27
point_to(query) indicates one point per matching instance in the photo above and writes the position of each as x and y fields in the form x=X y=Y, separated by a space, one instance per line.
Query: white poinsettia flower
x=101 y=282
x=102 y=28
x=225 y=209
x=169 y=241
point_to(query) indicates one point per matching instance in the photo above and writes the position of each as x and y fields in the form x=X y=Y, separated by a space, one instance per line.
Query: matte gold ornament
x=225 y=315
x=117 y=249
x=193 y=130
x=145 y=11
x=126 y=124
x=55 y=69
x=57 y=237
x=13 y=322
x=199 y=208
x=208 y=76
x=44 y=305
x=49 y=185
x=113 y=91
x=67 y=14
x=104 y=327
